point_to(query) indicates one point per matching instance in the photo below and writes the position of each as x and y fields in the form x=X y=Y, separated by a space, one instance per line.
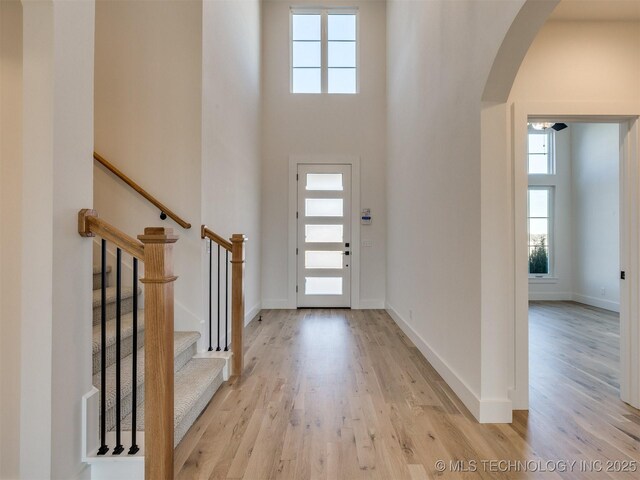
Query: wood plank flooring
x=342 y=394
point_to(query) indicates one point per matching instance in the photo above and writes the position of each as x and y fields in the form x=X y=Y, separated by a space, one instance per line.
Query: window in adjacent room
x=541 y=152
x=324 y=51
x=539 y=223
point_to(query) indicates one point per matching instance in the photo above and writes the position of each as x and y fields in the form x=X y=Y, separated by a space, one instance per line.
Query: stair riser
x=127 y=348
x=127 y=307
x=182 y=359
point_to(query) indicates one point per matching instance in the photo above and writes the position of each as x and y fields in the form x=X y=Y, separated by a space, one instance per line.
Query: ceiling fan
x=545 y=125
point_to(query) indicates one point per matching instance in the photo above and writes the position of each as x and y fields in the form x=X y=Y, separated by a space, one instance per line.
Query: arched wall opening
x=555 y=68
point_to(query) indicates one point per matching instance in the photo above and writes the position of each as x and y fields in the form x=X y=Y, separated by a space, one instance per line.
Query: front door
x=324 y=236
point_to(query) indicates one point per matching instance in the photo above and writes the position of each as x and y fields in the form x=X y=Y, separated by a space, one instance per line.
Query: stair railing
x=164 y=210
x=235 y=247
x=154 y=248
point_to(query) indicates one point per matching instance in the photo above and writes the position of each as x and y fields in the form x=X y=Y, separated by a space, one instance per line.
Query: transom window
x=324 y=51
x=541 y=152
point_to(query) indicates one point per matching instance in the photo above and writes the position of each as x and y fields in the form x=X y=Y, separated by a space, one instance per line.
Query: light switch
x=367 y=243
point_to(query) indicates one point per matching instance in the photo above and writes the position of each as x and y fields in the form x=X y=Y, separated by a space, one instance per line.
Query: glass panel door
x=324 y=235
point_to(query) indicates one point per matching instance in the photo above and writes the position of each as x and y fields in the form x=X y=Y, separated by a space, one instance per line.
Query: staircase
x=196 y=379
x=150 y=383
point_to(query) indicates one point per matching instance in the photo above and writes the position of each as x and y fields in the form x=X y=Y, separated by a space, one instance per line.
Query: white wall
x=560 y=286
x=322 y=124
x=178 y=110
x=231 y=157
x=10 y=238
x=47 y=89
x=440 y=54
x=148 y=103
x=596 y=221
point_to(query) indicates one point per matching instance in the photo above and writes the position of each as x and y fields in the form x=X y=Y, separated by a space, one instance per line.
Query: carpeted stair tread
x=127 y=339
x=127 y=330
x=182 y=341
x=194 y=385
x=127 y=292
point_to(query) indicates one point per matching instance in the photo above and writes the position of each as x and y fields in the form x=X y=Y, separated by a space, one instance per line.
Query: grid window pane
x=538 y=261
x=323 y=286
x=323 y=207
x=538 y=164
x=323 y=233
x=342 y=80
x=342 y=54
x=306 y=54
x=539 y=225
x=307 y=80
x=538 y=143
x=538 y=202
x=540 y=161
x=322 y=259
x=342 y=27
x=324 y=181
x=306 y=27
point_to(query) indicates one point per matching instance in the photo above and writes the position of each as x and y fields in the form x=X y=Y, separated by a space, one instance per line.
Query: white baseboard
x=252 y=313
x=551 y=296
x=485 y=411
x=276 y=304
x=597 y=302
x=575 y=297
x=372 y=304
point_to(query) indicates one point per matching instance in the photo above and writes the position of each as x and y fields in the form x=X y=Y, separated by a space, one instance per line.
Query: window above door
x=324 y=53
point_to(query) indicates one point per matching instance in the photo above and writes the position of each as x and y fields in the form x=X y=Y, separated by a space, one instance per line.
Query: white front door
x=324 y=236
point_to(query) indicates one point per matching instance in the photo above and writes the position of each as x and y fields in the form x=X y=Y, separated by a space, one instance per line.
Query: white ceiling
x=597 y=10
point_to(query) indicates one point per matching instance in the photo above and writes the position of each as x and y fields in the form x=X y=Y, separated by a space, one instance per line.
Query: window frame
x=550 y=229
x=324 y=13
x=551 y=153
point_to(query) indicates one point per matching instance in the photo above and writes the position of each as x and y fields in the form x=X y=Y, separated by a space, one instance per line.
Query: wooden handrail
x=89 y=225
x=205 y=232
x=163 y=208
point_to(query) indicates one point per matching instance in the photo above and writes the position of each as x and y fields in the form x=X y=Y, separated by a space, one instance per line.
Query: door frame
x=326 y=159
x=627 y=115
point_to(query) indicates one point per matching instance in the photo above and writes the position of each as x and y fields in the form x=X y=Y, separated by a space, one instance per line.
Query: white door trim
x=337 y=159
x=623 y=113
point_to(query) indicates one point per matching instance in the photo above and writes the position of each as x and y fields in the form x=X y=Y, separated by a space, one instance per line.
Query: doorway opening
x=573 y=241
x=528 y=250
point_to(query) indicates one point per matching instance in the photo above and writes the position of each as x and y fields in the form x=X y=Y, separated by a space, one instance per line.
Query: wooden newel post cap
x=158 y=235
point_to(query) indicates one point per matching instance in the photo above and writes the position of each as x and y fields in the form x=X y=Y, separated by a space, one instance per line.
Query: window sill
x=543 y=280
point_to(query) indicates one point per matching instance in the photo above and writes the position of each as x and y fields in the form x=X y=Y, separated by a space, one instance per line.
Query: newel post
x=237 y=303
x=158 y=351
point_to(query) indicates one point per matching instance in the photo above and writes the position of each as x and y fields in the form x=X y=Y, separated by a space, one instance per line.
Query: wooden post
x=237 y=303
x=158 y=352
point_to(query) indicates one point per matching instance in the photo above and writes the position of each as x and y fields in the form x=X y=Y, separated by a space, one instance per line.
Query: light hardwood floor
x=344 y=394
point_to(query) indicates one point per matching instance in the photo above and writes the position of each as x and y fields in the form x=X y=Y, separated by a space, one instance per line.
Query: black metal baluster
x=134 y=368
x=218 y=282
x=103 y=350
x=118 y=449
x=226 y=301
x=210 y=286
